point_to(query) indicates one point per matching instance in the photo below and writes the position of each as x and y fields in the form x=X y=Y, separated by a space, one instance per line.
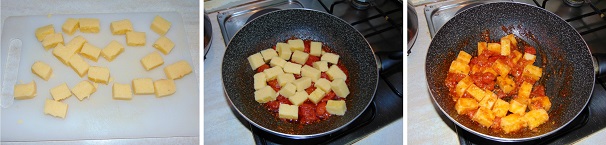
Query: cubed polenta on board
x=500 y=108
x=336 y=107
x=91 y=52
x=76 y=44
x=541 y=102
x=286 y=111
x=120 y=27
x=89 y=25
x=534 y=118
x=63 y=53
x=506 y=84
x=177 y=70
x=44 y=31
x=488 y=100
x=164 y=87
x=296 y=44
x=483 y=116
x=98 y=74
x=465 y=105
x=481 y=47
x=476 y=92
x=505 y=46
x=152 y=60
x=70 y=26
x=285 y=78
x=25 y=91
x=462 y=86
x=494 y=47
x=160 y=25
x=121 y=92
x=259 y=80
x=255 y=61
x=459 y=67
x=60 y=92
x=516 y=107
x=277 y=61
x=525 y=90
x=464 y=57
x=164 y=45
x=55 y=108
x=532 y=72
x=265 y=94
x=516 y=56
x=112 y=50
x=42 y=70
x=50 y=41
x=512 y=39
x=142 y=86
x=512 y=123
x=135 y=38
x=78 y=65
x=272 y=73
x=501 y=68
x=83 y=90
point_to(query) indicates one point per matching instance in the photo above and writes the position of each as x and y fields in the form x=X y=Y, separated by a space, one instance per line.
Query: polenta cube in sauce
x=499 y=88
x=299 y=83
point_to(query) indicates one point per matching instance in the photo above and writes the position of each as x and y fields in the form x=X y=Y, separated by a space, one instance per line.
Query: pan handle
x=599 y=64
x=389 y=59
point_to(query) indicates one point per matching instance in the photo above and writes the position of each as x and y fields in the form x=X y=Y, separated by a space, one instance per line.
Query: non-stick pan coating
x=567 y=66
x=267 y=30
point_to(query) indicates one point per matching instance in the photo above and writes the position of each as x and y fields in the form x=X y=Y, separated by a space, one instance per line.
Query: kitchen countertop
x=221 y=125
x=189 y=10
x=425 y=126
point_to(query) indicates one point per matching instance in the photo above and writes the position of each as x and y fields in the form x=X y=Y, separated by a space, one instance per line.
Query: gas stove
x=380 y=21
x=588 y=19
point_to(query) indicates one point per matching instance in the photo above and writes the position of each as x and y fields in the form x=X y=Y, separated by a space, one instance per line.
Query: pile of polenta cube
x=72 y=53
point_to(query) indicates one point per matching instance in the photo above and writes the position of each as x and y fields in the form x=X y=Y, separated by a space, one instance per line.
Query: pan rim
x=305 y=136
x=502 y=139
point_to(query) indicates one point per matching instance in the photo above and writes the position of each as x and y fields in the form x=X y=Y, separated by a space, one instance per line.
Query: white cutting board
x=101 y=117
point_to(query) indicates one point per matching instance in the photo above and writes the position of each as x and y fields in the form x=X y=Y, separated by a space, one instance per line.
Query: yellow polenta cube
x=55 y=108
x=462 y=86
x=70 y=26
x=530 y=57
x=323 y=84
x=512 y=39
x=500 y=108
x=311 y=72
x=255 y=61
x=89 y=25
x=488 y=100
x=494 y=47
x=42 y=70
x=293 y=68
x=177 y=70
x=277 y=61
x=259 y=80
x=91 y=52
x=315 y=48
x=98 y=74
x=505 y=46
x=61 y=92
x=481 y=47
x=464 y=57
x=286 y=111
x=50 y=41
x=316 y=96
x=516 y=56
x=541 y=102
x=160 y=25
x=76 y=44
x=517 y=107
x=63 y=53
x=476 y=92
x=79 y=65
x=83 y=90
x=284 y=50
x=164 y=87
x=44 y=31
x=299 y=57
x=164 y=45
x=534 y=118
x=272 y=73
x=25 y=91
x=532 y=72
x=336 y=107
x=330 y=57
x=288 y=90
x=506 y=84
x=321 y=65
x=142 y=86
x=298 y=98
x=340 y=88
x=135 y=38
x=512 y=123
x=269 y=54
x=296 y=44
x=120 y=27
x=483 y=116
x=152 y=61
x=112 y=50
x=302 y=83
x=121 y=92
x=465 y=105
x=283 y=79
x=334 y=72
x=459 y=67
x=265 y=94
x=525 y=90
x=501 y=68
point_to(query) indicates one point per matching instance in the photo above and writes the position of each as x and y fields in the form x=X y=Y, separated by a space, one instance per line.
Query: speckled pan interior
x=269 y=29
x=567 y=67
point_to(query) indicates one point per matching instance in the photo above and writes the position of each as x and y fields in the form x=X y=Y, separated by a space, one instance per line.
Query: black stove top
x=380 y=22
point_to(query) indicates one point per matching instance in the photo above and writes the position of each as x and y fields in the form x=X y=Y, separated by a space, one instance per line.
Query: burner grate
x=596 y=11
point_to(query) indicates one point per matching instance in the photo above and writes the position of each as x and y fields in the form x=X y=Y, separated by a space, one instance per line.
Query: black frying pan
x=278 y=26
x=568 y=72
